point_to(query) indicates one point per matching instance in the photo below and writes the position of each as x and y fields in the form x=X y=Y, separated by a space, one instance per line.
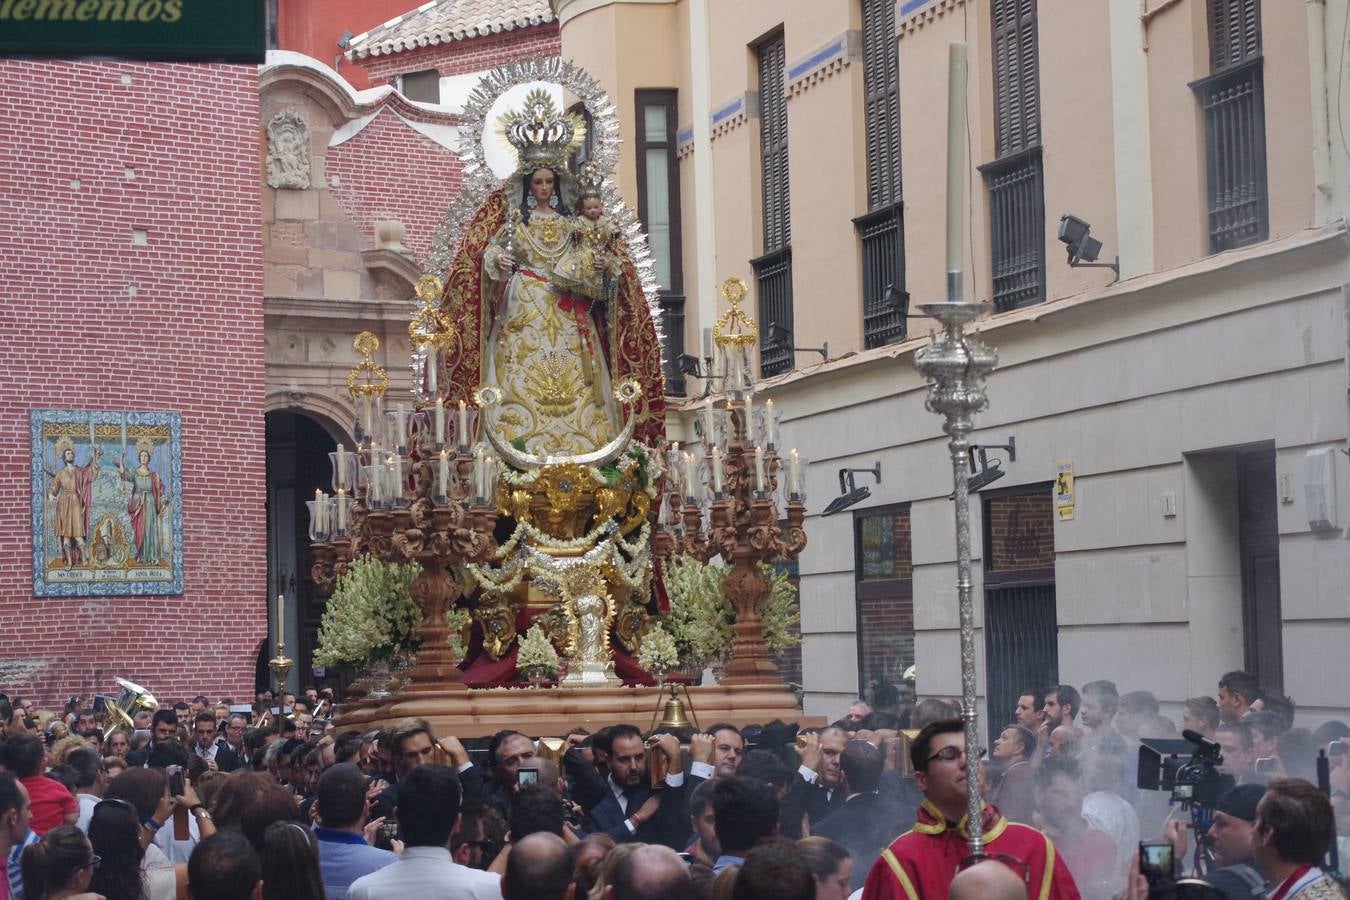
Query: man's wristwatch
x=204 y=814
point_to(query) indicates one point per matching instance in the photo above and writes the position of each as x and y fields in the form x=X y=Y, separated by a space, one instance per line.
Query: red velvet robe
x=920 y=864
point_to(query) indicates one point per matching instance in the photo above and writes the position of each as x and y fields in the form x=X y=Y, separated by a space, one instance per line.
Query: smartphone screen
x=1265 y=765
x=527 y=776
x=176 y=784
x=1155 y=860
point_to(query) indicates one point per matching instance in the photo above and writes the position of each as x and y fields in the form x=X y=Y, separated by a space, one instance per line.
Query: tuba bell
x=120 y=714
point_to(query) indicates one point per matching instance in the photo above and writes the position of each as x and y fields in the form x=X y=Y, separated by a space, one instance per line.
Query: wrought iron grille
x=773 y=279
x=882 y=234
x=672 y=339
x=1017 y=228
x=1233 y=102
x=1021 y=646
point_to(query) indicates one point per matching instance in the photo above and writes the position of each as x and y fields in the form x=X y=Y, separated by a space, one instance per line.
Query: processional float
x=531 y=479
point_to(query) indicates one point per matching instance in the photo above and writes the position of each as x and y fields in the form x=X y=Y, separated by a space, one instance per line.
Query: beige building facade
x=1199 y=402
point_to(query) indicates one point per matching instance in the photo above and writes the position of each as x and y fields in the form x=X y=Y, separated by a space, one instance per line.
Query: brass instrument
x=120 y=714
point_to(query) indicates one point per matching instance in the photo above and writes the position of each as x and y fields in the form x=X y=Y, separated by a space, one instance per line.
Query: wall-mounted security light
x=1083 y=249
x=849 y=492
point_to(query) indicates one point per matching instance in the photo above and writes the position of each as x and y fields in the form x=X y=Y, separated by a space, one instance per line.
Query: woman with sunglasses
x=59 y=866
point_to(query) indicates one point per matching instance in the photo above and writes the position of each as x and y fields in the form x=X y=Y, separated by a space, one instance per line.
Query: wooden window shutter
x=1017 y=88
x=774 y=144
x=1234 y=32
x=881 y=88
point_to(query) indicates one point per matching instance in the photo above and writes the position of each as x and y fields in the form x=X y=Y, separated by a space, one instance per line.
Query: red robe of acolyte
x=920 y=864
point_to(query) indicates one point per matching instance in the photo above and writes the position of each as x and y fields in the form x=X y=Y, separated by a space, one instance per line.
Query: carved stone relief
x=288 y=151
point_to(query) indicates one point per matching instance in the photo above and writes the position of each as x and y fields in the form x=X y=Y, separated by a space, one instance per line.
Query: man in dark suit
x=629 y=809
x=817 y=790
x=163 y=728
x=218 y=756
x=868 y=821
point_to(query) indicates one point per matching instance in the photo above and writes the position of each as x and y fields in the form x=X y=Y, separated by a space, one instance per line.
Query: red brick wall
x=886 y=605
x=389 y=171
x=190 y=340
x=461 y=57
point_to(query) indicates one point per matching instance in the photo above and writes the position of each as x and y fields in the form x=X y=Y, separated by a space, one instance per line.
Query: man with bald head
x=538 y=868
x=988 y=880
x=650 y=873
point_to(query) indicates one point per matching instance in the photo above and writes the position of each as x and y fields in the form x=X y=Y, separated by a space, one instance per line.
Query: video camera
x=1188 y=768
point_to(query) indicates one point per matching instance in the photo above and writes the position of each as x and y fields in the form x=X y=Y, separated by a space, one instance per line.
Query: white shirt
x=426 y=873
x=809 y=775
x=208 y=753
x=87 y=803
x=177 y=851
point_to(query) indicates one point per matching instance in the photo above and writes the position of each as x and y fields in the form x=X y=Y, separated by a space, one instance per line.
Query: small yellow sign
x=1064 y=491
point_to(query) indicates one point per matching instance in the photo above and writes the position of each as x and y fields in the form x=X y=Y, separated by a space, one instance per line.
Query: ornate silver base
x=591 y=674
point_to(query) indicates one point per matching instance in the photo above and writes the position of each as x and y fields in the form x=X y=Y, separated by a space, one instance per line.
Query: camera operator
x=1294 y=830
x=1230 y=840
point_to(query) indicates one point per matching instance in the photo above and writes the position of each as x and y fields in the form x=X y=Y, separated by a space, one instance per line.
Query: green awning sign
x=170 y=30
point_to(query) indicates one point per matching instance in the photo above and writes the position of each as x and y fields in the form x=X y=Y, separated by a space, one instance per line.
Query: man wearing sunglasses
x=922 y=862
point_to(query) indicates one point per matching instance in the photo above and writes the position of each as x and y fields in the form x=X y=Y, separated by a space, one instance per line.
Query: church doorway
x=298 y=445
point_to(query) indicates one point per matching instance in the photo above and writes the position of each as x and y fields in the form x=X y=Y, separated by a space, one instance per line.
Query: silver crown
x=541 y=133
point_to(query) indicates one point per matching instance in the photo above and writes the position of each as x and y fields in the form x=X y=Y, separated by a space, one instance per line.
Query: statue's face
x=541 y=186
x=592 y=208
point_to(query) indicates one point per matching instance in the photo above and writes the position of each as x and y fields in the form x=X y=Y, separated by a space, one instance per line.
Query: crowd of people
x=225 y=802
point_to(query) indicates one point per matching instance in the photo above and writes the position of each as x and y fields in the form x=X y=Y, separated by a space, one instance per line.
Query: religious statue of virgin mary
x=550 y=309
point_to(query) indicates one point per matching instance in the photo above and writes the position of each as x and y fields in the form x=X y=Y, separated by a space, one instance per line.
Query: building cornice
x=567 y=10
x=915 y=14
x=1310 y=247
x=825 y=61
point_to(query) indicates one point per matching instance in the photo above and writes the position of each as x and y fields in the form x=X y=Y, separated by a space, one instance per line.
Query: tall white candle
x=759 y=469
x=708 y=422
x=707 y=343
x=462 y=423
x=281 y=622
x=367 y=413
x=400 y=425
x=770 y=427
x=341 y=466
x=318 y=512
x=342 y=509
x=794 y=472
x=440 y=422
x=444 y=474
x=717 y=469
x=396 y=489
x=433 y=363
x=956 y=153
x=750 y=418
x=481 y=469
x=689 y=475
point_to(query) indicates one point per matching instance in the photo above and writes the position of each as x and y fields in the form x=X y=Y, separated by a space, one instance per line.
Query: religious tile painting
x=107 y=502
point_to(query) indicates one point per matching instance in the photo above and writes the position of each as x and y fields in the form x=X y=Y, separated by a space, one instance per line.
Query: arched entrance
x=298 y=445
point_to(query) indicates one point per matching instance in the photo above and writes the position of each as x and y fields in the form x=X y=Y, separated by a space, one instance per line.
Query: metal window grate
x=882 y=234
x=1017 y=228
x=773 y=279
x=1233 y=103
x=1021 y=646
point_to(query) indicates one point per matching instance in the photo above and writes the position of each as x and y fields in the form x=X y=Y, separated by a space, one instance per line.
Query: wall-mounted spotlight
x=1082 y=247
x=781 y=337
x=850 y=493
x=988 y=471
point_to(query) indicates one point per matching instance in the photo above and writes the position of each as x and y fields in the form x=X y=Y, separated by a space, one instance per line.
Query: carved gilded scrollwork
x=498 y=621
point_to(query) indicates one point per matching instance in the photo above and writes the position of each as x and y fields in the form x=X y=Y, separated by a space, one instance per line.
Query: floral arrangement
x=371 y=615
x=536 y=656
x=701 y=617
x=657 y=653
x=457 y=619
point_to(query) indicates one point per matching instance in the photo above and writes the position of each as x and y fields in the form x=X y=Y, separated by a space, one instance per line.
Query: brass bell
x=672 y=716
